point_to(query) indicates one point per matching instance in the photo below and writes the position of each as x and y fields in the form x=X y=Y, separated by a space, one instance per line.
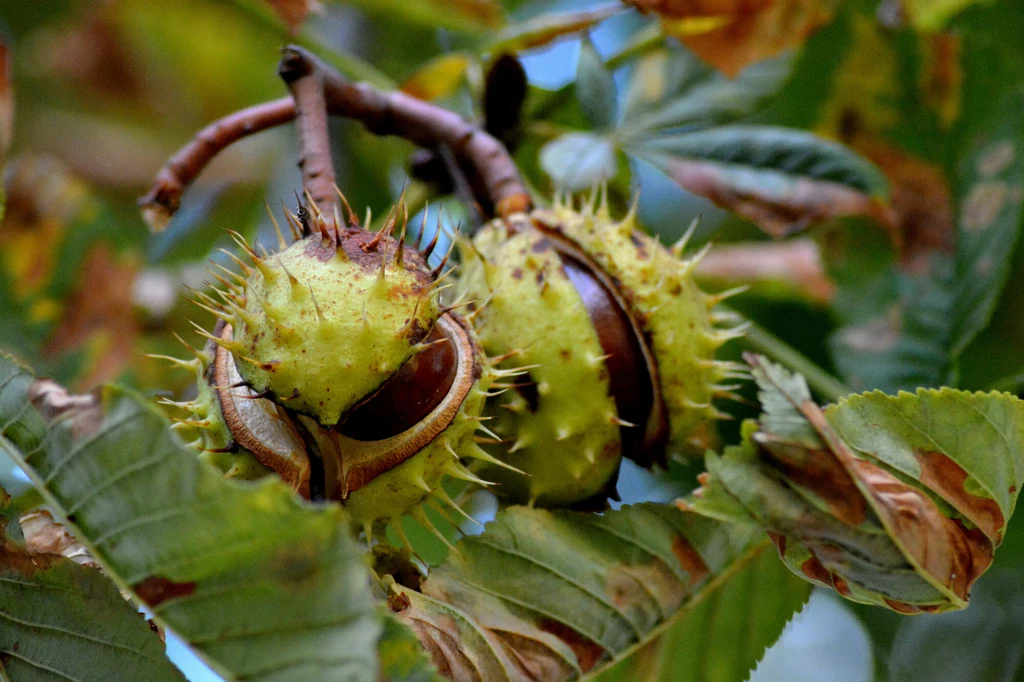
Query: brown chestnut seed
x=632 y=372
x=375 y=437
x=409 y=396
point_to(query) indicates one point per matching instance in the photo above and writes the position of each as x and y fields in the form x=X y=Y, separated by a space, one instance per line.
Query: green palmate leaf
x=895 y=501
x=63 y=621
x=555 y=595
x=579 y=161
x=781 y=179
x=670 y=88
x=546 y=28
x=262 y=585
x=917 y=339
x=595 y=88
x=905 y=345
x=991 y=196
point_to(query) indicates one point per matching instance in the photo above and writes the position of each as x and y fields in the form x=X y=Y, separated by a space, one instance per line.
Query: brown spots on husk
x=155 y=590
x=356 y=244
x=690 y=560
x=588 y=653
x=947 y=478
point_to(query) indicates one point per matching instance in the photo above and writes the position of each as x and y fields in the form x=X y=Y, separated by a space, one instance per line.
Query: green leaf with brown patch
x=63 y=621
x=261 y=584
x=784 y=180
x=554 y=595
x=941 y=304
x=893 y=501
x=670 y=89
x=720 y=638
x=991 y=206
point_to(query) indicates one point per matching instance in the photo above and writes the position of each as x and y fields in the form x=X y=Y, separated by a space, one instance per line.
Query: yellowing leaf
x=932 y=15
x=866 y=85
x=42 y=200
x=99 y=317
x=437 y=78
x=731 y=34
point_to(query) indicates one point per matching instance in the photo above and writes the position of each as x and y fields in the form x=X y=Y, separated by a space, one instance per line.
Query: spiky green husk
x=570 y=445
x=567 y=441
x=405 y=488
x=675 y=315
x=210 y=436
x=323 y=326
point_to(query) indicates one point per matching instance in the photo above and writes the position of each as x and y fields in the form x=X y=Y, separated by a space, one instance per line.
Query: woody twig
x=305 y=80
x=491 y=170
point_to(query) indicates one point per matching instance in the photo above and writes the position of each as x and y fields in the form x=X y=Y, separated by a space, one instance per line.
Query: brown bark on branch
x=495 y=178
x=305 y=80
x=164 y=197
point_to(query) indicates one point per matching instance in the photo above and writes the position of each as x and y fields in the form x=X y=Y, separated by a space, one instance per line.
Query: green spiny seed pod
x=328 y=320
x=211 y=436
x=335 y=366
x=617 y=340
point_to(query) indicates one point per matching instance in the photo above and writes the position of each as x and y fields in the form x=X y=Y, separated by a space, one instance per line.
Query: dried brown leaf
x=922 y=202
x=438 y=78
x=732 y=34
x=43 y=535
x=99 y=316
x=42 y=199
x=294 y=12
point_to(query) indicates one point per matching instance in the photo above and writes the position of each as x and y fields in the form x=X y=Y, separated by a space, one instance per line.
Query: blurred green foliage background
x=107 y=90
